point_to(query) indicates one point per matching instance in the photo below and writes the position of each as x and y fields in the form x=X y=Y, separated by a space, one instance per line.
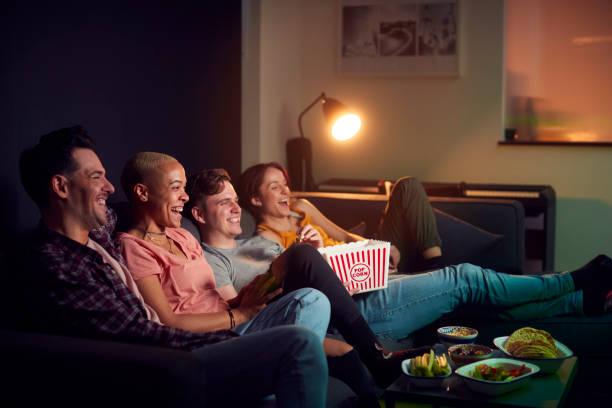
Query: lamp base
x=299 y=164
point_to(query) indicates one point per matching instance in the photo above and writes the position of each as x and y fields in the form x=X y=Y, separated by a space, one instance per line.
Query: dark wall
x=138 y=75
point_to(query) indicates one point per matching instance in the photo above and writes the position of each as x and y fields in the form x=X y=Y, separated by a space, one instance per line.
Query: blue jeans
x=304 y=307
x=413 y=301
x=287 y=361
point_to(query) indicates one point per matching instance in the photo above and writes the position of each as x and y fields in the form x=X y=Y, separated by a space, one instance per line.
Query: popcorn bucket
x=363 y=264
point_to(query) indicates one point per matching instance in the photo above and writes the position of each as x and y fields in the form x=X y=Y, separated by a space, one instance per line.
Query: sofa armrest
x=43 y=368
x=505 y=218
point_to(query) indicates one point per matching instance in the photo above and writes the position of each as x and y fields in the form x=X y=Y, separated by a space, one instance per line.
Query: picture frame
x=398 y=37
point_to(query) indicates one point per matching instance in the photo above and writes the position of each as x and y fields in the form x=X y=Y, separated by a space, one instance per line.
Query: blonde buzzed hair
x=139 y=167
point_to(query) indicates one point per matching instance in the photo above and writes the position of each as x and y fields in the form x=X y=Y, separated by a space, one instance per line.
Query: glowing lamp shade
x=346 y=126
x=344 y=123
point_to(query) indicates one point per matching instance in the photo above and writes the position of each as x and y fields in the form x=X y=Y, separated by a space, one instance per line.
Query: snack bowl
x=424 y=382
x=450 y=335
x=547 y=365
x=496 y=387
x=462 y=354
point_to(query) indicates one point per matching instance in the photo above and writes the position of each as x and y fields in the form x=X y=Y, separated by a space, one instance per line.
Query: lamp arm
x=320 y=97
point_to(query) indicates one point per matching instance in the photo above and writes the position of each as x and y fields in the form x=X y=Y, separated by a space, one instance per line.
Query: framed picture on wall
x=398 y=37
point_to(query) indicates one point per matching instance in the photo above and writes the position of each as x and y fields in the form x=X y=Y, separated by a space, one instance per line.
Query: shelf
x=551 y=143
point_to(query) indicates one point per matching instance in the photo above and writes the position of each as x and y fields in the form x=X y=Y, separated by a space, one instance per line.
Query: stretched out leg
x=306 y=268
x=410 y=224
x=349 y=368
x=413 y=301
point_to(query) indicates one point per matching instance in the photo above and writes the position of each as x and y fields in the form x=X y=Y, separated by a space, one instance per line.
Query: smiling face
x=166 y=195
x=87 y=190
x=273 y=198
x=220 y=214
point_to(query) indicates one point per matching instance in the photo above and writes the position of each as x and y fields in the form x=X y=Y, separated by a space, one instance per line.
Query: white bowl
x=496 y=387
x=446 y=336
x=424 y=382
x=547 y=365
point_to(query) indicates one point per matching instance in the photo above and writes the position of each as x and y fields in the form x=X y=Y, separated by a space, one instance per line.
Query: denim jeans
x=413 y=301
x=287 y=361
x=304 y=307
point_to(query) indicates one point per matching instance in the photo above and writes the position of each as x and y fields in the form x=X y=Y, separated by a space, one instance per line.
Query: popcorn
x=363 y=264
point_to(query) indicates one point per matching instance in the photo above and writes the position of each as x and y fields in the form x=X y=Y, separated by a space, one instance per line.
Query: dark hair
x=250 y=182
x=202 y=184
x=52 y=155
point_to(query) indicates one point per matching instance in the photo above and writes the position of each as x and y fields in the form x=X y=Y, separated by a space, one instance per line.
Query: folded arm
x=335 y=231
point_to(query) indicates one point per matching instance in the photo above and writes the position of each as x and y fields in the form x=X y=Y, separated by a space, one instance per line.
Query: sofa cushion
x=191 y=227
x=248 y=225
x=503 y=217
x=474 y=240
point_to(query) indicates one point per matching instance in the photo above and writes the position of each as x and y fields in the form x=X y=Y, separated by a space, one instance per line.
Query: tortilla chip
x=530 y=342
x=534 y=351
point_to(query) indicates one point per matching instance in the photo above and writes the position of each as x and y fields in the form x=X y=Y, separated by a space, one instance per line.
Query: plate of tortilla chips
x=536 y=347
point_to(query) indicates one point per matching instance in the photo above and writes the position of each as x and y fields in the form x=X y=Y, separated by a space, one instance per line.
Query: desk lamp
x=344 y=125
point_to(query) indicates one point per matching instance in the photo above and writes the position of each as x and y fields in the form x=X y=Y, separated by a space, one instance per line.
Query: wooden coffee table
x=541 y=391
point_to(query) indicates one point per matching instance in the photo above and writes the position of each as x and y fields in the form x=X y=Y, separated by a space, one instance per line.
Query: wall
x=138 y=76
x=437 y=129
x=271 y=77
x=552 y=42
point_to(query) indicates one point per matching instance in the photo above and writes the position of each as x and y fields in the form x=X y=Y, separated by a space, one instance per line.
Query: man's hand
x=279 y=267
x=352 y=290
x=253 y=297
x=234 y=302
x=394 y=258
x=309 y=235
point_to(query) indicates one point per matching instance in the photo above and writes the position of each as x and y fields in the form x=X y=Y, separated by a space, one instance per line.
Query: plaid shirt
x=83 y=296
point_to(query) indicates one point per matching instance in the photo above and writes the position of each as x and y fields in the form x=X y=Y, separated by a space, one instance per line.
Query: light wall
x=437 y=129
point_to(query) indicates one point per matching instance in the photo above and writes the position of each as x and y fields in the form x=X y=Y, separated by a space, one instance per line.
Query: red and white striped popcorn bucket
x=363 y=264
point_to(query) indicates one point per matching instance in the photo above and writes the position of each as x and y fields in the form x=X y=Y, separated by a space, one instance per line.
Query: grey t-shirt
x=239 y=266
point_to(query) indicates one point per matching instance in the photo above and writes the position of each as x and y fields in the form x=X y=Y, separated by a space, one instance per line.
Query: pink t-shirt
x=189 y=284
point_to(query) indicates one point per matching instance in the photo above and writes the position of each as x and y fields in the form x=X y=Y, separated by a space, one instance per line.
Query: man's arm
x=88 y=299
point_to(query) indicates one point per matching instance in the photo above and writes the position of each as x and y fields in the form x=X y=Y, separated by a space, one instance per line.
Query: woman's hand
x=394 y=258
x=309 y=235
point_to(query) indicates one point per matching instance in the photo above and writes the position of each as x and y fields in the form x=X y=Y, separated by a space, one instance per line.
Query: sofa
x=488 y=232
x=76 y=371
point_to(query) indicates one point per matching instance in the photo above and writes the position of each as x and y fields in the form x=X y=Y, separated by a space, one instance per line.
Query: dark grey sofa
x=69 y=370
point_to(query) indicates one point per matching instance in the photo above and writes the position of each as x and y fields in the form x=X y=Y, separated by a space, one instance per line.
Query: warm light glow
x=592 y=40
x=346 y=126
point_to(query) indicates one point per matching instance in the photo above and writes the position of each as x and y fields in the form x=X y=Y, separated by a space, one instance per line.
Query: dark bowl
x=462 y=354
